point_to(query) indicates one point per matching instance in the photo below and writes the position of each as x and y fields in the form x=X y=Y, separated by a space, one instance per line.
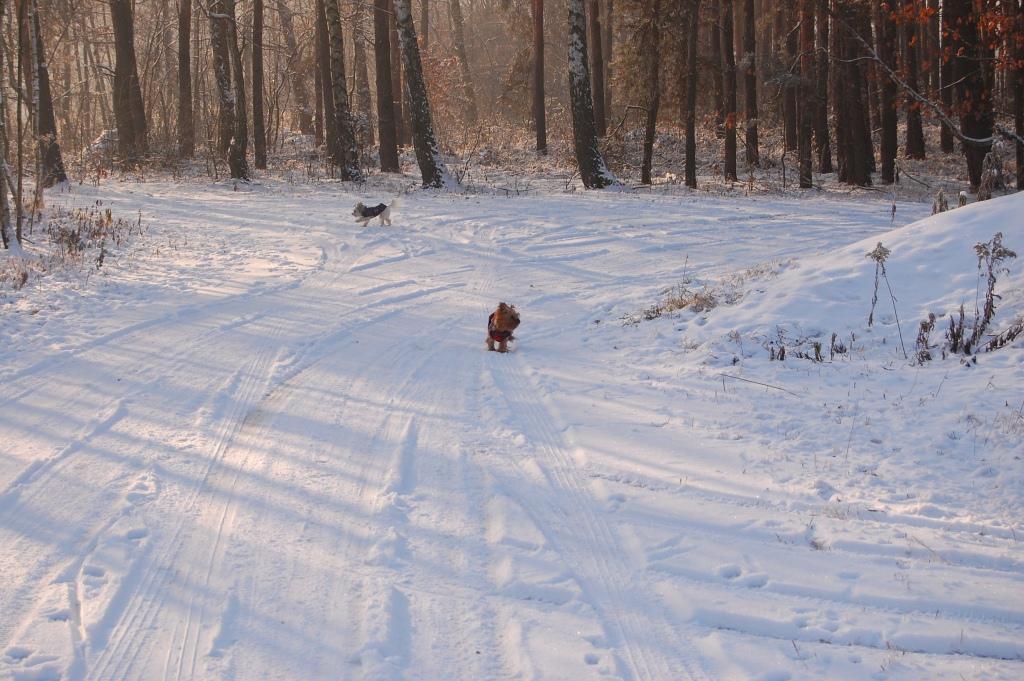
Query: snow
x=263 y=442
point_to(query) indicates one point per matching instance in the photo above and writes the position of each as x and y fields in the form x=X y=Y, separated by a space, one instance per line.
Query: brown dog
x=500 y=325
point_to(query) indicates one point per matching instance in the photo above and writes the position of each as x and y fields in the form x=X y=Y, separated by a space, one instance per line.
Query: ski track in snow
x=280 y=451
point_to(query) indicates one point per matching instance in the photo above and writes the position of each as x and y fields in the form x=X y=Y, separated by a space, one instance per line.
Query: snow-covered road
x=269 y=444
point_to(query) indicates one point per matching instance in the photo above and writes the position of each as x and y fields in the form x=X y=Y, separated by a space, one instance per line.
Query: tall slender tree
x=458 y=36
x=295 y=72
x=729 y=88
x=593 y=171
x=345 y=156
x=606 y=51
x=129 y=111
x=323 y=61
x=822 y=140
x=910 y=18
x=36 y=74
x=8 y=234
x=428 y=155
x=397 y=89
x=385 y=100
x=363 y=103
x=653 y=43
x=971 y=63
x=886 y=48
x=237 y=161
x=539 y=122
x=946 y=79
x=259 y=133
x=750 y=83
x=790 y=106
x=1017 y=84
x=691 y=95
x=807 y=90
x=715 y=29
x=186 y=121
x=597 y=67
x=217 y=12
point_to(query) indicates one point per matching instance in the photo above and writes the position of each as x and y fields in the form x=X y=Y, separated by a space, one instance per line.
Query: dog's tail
x=395 y=204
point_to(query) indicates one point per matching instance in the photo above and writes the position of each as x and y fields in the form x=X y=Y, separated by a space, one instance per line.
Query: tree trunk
x=259 y=134
x=750 y=83
x=715 y=11
x=222 y=76
x=597 y=67
x=821 y=134
x=946 y=76
x=973 y=86
x=460 y=53
x=425 y=25
x=691 y=96
x=729 y=89
x=37 y=81
x=186 y=121
x=606 y=51
x=915 y=131
x=790 y=109
x=807 y=90
x=856 y=135
x=653 y=89
x=538 y=76
x=1017 y=84
x=129 y=112
x=295 y=74
x=323 y=59
x=593 y=171
x=364 y=104
x=432 y=168
x=397 y=91
x=385 y=100
x=346 y=158
x=886 y=48
x=240 y=139
x=837 y=95
x=8 y=235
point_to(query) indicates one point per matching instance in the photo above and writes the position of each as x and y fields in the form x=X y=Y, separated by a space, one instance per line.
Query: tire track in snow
x=605 y=578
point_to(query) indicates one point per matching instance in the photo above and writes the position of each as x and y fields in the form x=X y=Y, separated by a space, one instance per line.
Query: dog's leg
x=503 y=346
x=490 y=344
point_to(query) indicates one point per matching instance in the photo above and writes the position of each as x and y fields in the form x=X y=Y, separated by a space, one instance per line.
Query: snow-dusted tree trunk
x=240 y=139
x=386 y=133
x=222 y=74
x=458 y=34
x=428 y=156
x=129 y=111
x=345 y=156
x=593 y=171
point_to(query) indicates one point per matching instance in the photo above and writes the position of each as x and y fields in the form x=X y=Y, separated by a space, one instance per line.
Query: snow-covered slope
x=264 y=443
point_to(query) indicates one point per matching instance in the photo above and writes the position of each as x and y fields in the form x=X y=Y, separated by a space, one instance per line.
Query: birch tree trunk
x=385 y=99
x=593 y=171
x=432 y=168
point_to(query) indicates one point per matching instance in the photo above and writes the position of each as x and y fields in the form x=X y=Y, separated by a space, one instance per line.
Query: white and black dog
x=363 y=214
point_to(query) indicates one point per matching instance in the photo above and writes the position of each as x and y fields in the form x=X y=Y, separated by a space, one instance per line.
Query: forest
x=849 y=87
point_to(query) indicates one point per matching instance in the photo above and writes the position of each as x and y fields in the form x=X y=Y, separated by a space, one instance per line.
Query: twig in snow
x=767 y=385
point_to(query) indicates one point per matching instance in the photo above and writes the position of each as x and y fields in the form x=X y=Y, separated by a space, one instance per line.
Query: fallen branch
x=767 y=385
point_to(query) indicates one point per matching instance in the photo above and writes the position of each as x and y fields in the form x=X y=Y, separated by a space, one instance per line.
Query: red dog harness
x=496 y=334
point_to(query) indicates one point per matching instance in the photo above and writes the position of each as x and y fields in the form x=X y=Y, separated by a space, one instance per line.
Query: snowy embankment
x=264 y=443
